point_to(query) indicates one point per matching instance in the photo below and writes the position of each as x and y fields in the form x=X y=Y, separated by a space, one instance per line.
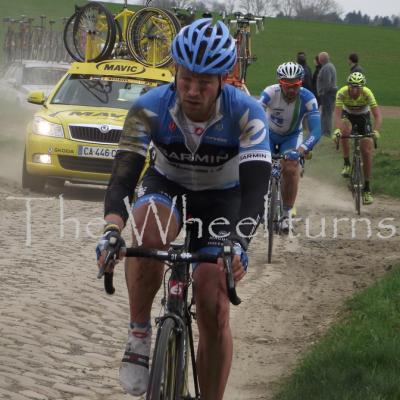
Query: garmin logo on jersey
x=205 y=158
x=255 y=156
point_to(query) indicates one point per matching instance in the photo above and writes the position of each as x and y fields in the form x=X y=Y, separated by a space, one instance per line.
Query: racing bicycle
x=242 y=36
x=174 y=351
x=275 y=202
x=356 y=181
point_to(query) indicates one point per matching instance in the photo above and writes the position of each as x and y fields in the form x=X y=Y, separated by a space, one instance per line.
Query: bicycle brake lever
x=102 y=269
x=230 y=282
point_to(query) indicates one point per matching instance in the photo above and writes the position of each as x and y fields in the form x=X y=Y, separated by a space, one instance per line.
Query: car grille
x=94 y=134
x=84 y=164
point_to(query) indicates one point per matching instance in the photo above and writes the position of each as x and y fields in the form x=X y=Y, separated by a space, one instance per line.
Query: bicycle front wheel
x=357 y=184
x=243 y=56
x=94 y=33
x=149 y=36
x=164 y=373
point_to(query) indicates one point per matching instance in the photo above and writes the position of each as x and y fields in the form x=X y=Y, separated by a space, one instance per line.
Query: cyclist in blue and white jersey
x=288 y=105
x=212 y=161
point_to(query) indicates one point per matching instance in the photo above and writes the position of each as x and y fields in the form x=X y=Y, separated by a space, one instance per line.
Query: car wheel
x=32 y=182
x=58 y=183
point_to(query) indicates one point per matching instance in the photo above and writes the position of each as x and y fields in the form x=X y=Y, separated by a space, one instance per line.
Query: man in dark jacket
x=326 y=87
x=353 y=63
x=301 y=59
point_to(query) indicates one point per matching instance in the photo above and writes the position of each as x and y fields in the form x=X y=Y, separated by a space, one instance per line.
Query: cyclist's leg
x=290 y=172
x=366 y=145
x=214 y=355
x=157 y=219
x=366 y=155
x=157 y=223
x=346 y=118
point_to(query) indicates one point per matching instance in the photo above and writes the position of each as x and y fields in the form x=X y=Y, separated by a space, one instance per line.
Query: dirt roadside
x=390 y=111
x=61 y=337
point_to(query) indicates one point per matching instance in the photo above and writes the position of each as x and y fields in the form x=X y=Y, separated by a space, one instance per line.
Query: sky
x=370 y=7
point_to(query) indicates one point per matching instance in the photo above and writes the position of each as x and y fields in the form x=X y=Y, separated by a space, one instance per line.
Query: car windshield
x=42 y=76
x=96 y=92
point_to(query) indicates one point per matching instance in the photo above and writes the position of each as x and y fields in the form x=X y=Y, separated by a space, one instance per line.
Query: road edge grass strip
x=359 y=356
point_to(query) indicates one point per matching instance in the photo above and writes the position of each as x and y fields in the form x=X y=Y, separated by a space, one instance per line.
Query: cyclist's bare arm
x=338 y=121
x=376 y=112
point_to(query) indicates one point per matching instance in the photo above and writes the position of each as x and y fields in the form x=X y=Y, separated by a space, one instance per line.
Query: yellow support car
x=75 y=134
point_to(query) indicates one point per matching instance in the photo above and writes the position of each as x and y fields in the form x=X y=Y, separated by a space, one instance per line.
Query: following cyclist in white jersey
x=211 y=160
x=287 y=104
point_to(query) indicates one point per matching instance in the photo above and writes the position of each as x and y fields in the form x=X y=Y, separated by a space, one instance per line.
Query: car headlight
x=43 y=127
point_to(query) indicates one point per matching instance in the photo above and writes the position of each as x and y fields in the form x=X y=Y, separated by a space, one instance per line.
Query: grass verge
x=358 y=359
x=327 y=162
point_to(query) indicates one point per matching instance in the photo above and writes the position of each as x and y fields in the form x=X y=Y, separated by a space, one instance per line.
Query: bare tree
x=170 y=3
x=284 y=7
x=216 y=6
x=245 y=5
x=313 y=9
x=257 y=7
x=230 y=6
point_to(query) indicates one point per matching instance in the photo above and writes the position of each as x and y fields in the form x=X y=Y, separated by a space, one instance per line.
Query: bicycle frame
x=174 y=332
x=275 y=201
x=243 y=47
x=356 y=183
x=124 y=16
x=356 y=176
x=275 y=204
x=178 y=307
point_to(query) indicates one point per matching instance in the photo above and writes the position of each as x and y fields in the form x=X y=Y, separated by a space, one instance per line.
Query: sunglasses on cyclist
x=293 y=84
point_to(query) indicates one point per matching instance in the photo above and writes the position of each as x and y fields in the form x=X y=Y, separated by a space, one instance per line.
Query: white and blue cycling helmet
x=205 y=48
x=290 y=70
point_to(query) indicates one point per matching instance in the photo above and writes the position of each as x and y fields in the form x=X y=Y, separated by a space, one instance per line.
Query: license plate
x=97 y=152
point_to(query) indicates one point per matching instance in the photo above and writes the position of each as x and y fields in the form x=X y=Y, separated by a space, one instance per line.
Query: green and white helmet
x=357 y=79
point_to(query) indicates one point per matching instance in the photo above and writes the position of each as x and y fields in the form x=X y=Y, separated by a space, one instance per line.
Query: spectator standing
x=318 y=67
x=353 y=63
x=326 y=89
x=307 y=78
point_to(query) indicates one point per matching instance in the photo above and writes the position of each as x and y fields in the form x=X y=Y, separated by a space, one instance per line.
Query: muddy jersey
x=197 y=156
x=285 y=119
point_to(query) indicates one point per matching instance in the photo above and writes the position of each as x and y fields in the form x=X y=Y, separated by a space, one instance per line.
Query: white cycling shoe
x=134 y=370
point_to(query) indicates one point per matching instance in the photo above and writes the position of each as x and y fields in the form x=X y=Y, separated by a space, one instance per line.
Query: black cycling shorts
x=214 y=212
x=361 y=123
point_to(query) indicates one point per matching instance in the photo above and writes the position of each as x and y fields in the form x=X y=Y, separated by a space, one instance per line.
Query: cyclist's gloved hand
x=336 y=135
x=241 y=252
x=110 y=240
x=376 y=134
x=292 y=155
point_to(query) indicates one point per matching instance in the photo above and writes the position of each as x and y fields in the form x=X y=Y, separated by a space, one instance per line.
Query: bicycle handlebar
x=174 y=256
x=352 y=136
x=302 y=158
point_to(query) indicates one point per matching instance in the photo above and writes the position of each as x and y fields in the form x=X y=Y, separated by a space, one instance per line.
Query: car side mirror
x=37 y=97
